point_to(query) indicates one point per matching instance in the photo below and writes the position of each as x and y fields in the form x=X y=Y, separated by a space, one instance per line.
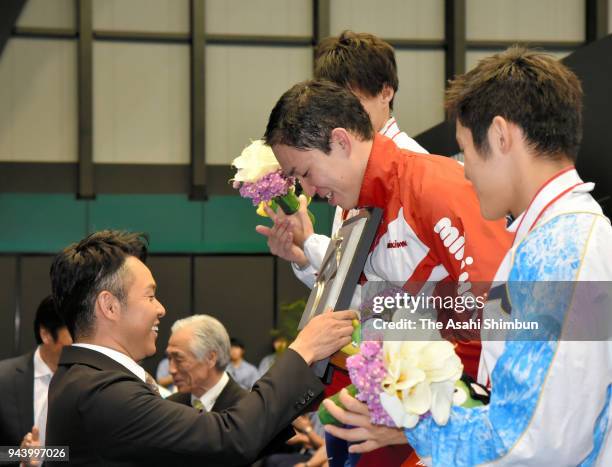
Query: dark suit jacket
x=232 y=393
x=229 y=397
x=109 y=417
x=16 y=399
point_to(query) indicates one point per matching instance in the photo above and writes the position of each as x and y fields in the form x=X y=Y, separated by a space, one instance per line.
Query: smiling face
x=141 y=312
x=333 y=176
x=490 y=174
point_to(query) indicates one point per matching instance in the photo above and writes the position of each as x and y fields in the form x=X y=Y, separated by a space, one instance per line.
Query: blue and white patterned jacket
x=550 y=401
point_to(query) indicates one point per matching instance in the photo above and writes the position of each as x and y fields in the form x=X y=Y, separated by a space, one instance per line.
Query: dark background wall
x=205 y=256
x=243 y=291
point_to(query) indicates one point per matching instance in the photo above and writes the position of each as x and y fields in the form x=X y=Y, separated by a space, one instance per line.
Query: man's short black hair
x=236 y=343
x=47 y=317
x=359 y=61
x=526 y=87
x=82 y=270
x=306 y=114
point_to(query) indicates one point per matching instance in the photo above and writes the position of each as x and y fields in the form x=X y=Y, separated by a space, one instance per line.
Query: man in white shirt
x=25 y=379
x=198 y=354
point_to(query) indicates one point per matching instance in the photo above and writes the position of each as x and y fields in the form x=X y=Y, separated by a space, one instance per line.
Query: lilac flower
x=367 y=371
x=267 y=187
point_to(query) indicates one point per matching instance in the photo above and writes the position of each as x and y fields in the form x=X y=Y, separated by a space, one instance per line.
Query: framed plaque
x=340 y=271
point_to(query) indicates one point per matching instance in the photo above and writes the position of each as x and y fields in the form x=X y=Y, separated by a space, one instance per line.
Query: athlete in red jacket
x=432 y=229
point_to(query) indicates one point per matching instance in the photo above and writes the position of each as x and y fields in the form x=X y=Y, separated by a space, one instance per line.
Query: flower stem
x=290 y=204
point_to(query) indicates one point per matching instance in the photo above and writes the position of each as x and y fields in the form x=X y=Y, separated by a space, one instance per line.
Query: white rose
x=421 y=377
x=255 y=161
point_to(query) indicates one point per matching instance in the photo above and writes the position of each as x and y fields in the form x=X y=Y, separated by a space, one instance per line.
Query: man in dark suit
x=198 y=353
x=100 y=404
x=25 y=379
x=230 y=395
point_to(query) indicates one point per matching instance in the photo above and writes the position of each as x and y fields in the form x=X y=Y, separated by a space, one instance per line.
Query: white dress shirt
x=42 y=378
x=209 y=398
x=119 y=357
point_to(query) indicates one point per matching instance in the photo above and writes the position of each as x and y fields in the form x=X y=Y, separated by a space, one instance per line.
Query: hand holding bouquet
x=259 y=177
x=403 y=381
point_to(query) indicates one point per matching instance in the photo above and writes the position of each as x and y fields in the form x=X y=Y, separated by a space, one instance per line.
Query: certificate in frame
x=340 y=271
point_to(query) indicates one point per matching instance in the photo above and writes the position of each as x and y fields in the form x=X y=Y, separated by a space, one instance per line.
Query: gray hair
x=209 y=335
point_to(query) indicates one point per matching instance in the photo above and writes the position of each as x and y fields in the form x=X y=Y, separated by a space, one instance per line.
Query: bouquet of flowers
x=402 y=381
x=260 y=178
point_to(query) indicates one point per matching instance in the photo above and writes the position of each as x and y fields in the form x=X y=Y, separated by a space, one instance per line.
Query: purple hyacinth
x=267 y=187
x=367 y=371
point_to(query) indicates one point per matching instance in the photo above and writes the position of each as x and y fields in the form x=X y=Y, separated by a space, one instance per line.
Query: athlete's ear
x=501 y=135
x=387 y=94
x=341 y=141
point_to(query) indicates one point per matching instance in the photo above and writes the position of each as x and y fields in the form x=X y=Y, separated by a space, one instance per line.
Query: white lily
x=421 y=376
x=441 y=401
x=394 y=407
x=255 y=161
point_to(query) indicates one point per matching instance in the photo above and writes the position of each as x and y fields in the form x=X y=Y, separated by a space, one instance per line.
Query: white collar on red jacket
x=389 y=127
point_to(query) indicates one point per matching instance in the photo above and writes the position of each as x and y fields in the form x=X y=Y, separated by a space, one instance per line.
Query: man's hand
x=324 y=335
x=356 y=414
x=302 y=424
x=31 y=440
x=286 y=237
x=299 y=439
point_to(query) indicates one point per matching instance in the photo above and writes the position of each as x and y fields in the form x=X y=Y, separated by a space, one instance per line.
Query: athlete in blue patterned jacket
x=518 y=117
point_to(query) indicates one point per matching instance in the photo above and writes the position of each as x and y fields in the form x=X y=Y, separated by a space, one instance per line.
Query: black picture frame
x=340 y=271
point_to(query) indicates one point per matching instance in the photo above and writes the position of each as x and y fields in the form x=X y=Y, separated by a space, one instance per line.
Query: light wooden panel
x=265 y=17
x=562 y=20
x=141 y=15
x=48 y=14
x=38 y=106
x=141 y=103
x=406 y=19
x=242 y=85
x=419 y=102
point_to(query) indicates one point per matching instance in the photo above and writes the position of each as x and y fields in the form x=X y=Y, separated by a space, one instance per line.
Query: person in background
x=239 y=369
x=310 y=437
x=25 y=380
x=163 y=376
x=279 y=344
x=198 y=354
